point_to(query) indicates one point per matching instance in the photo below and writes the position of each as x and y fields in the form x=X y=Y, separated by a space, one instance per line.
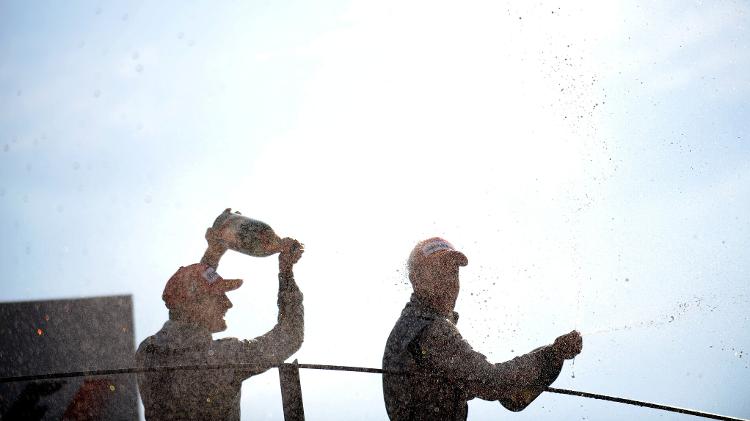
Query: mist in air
x=590 y=160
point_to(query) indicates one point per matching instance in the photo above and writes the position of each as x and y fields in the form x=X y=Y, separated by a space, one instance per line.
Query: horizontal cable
x=644 y=404
x=236 y=366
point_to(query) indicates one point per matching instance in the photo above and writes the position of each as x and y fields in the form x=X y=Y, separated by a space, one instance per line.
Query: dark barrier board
x=61 y=336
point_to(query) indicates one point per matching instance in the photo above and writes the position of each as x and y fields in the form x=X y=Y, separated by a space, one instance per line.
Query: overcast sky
x=592 y=161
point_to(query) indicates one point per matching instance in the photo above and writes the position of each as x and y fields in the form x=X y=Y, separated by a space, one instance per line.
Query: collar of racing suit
x=182 y=334
x=421 y=307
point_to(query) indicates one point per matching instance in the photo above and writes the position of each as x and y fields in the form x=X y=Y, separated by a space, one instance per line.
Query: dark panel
x=40 y=337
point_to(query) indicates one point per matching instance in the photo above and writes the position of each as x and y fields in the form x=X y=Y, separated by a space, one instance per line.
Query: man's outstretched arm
x=515 y=383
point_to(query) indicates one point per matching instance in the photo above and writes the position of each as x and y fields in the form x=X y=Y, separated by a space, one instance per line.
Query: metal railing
x=291 y=389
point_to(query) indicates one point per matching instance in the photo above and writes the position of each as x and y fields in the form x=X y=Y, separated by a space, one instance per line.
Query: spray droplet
x=573 y=369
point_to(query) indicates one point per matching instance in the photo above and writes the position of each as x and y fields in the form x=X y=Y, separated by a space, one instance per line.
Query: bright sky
x=590 y=160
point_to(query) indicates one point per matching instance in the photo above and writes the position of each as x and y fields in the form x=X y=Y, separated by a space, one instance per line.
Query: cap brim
x=225 y=285
x=454 y=255
x=461 y=258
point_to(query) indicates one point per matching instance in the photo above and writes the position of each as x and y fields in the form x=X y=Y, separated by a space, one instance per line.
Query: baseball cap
x=193 y=281
x=427 y=250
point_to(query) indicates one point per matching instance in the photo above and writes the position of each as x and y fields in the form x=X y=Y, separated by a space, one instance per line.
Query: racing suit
x=213 y=394
x=431 y=371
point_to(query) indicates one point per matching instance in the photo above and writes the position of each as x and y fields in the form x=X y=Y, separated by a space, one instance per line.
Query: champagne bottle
x=236 y=232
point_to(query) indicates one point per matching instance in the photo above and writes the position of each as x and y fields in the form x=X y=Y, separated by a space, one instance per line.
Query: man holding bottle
x=196 y=298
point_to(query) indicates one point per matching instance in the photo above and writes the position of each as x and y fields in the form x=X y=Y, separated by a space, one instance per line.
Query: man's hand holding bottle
x=291 y=252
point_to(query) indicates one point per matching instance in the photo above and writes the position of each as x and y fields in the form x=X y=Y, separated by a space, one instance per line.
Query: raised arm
x=278 y=344
x=214 y=251
x=291 y=323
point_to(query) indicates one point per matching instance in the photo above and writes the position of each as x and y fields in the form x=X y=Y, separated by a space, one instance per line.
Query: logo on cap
x=435 y=246
x=210 y=275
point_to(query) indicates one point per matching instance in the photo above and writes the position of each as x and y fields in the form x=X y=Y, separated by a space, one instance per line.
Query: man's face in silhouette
x=447 y=284
x=438 y=279
x=211 y=309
